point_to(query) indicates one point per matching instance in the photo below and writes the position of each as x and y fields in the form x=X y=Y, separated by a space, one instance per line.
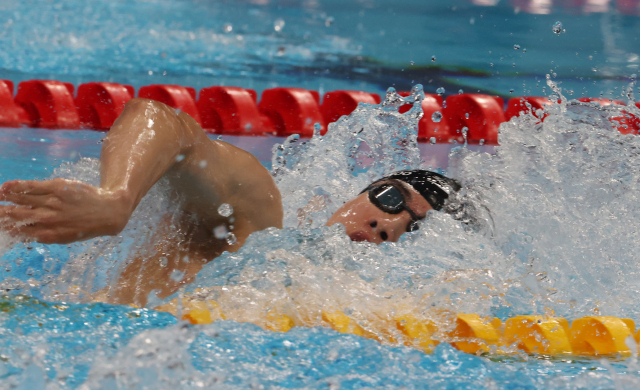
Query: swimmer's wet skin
x=393 y=205
x=150 y=141
x=147 y=142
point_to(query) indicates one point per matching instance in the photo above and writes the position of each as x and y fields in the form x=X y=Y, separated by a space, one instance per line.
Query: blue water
x=62 y=345
x=323 y=45
x=365 y=45
x=46 y=345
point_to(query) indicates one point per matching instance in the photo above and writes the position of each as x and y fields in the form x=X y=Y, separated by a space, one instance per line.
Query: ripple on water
x=554 y=227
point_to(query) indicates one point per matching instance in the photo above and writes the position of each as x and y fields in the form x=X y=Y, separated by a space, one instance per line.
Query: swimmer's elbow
x=154 y=115
x=147 y=107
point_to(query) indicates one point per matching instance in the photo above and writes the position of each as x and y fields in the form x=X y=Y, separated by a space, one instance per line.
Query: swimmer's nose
x=384 y=236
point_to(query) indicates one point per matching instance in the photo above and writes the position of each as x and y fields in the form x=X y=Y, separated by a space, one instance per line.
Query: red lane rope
x=281 y=111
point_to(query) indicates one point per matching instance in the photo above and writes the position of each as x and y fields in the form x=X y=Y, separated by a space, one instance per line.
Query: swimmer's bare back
x=147 y=142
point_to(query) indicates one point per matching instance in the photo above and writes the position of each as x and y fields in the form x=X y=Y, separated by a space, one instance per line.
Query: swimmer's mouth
x=359 y=236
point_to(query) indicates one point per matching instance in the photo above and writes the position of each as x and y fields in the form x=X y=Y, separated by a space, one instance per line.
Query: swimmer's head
x=393 y=205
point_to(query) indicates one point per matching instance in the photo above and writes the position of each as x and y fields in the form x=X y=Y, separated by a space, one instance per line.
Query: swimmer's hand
x=61 y=211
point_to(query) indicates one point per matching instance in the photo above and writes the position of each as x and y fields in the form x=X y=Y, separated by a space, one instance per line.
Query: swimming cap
x=433 y=187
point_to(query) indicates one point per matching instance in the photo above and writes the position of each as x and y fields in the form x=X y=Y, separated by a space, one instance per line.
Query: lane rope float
x=467 y=332
x=280 y=111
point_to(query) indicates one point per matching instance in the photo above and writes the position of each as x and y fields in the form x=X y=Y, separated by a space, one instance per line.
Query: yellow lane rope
x=471 y=333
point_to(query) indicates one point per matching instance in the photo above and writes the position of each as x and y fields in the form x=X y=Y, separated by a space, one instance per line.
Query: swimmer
x=150 y=141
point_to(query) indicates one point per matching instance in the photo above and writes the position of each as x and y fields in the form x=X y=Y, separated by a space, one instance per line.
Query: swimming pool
x=562 y=195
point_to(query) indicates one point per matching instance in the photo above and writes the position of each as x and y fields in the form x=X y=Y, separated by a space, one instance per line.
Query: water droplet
x=177 y=276
x=436 y=116
x=440 y=91
x=248 y=127
x=202 y=164
x=412 y=63
x=481 y=142
x=225 y=210
x=511 y=90
x=278 y=25
x=227 y=27
x=163 y=261
x=524 y=50
x=180 y=157
x=517 y=47
x=491 y=64
x=513 y=65
x=460 y=92
x=633 y=77
x=281 y=50
x=557 y=28
x=466 y=115
x=220 y=232
x=433 y=58
x=329 y=21
x=432 y=140
x=231 y=239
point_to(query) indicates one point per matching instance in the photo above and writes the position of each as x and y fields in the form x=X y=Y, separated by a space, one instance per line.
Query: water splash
x=340 y=164
x=225 y=210
x=436 y=116
x=553 y=229
x=557 y=28
x=100 y=346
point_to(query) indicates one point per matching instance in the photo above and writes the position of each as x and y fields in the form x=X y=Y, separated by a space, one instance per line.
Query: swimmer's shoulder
x=252 y=187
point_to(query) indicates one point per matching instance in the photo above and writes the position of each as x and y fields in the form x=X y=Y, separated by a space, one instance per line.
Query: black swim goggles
x=390 y=199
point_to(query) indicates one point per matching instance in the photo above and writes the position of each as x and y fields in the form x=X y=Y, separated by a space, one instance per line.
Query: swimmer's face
x=364 y=221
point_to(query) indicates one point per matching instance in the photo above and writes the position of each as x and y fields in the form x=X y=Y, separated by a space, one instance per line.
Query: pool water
x=555 y=215
x=58 y=344
x=91 y=346
x=367 y=45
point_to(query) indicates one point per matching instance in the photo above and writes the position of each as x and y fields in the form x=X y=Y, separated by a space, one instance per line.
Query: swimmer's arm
x=147 y=141
x=141 y=146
